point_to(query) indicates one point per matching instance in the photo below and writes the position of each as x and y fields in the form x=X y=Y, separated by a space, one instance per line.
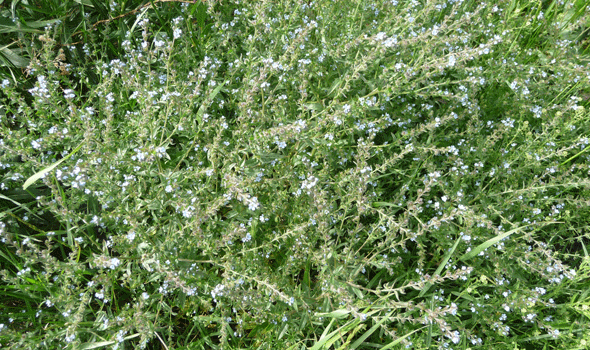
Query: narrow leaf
x=441 y=266
x=480 y=248
x=102 y=344
x=9 y=56
x=398 y=340
x=203 y=107
x=40 y=174
x=334 y=314
x=19 y=204
x=368 y=333
x=337 y=334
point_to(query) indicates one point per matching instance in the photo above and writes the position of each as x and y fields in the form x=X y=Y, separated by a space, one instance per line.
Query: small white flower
x=177 y=33
x=435 y=30
x=309 y=183
x=513 y=85
x=130 y=236
x=452 y=61
x=114 y=263
x=455 y=337
x=253 y=204
x=69 y=94
x=70 y=338
x=161 y=152
x=217 y=291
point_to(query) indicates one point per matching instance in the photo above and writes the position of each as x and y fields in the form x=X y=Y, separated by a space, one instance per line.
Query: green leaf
x=19 y=204
x=368 y=333
x=203 y=107
x=339 y=314
x=334 y=86
x=326 y=341
x=480 y=248
x=398 y=340
x=84 y=2
x=102 y=344
x=384 y=204
x=40 y=174
x=7 y=26
x=9 y=57
x=441 y=266
x=314 y=106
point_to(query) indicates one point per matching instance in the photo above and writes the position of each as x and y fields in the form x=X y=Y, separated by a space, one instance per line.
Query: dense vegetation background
x=294 y=174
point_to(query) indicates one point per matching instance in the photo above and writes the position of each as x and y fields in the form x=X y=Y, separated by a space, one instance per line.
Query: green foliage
x=286 y=174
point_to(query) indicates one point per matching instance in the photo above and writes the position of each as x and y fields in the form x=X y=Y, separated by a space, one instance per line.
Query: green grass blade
x=84 y=2
x=480 y=248
x=203 y=107
x=18 y=204
x=40 y=174
x=441 y=266
x=10 y=58
x=326 y=341
x=398 y=340
x=102 y=344
x=337 y=314
x=368 y=333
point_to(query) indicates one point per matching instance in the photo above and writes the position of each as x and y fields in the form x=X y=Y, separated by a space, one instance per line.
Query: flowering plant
x=291 y=174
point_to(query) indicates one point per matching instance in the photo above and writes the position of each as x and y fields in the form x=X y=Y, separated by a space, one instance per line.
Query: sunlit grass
x=292 y=175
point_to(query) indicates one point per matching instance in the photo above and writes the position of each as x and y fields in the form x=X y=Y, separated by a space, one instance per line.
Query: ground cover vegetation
x=294 y=174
